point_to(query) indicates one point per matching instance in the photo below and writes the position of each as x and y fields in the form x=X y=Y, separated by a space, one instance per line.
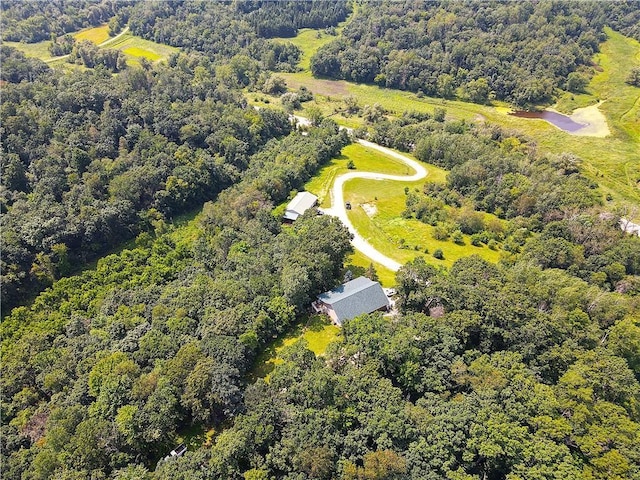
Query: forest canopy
x=91 y=159
x=166 y=177
x=521 y=52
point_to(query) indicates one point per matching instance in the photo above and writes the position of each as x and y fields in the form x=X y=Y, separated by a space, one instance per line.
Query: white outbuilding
x=302 y=202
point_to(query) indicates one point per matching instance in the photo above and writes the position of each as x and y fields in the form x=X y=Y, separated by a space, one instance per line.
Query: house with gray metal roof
x=357 y=297
x=302 y=202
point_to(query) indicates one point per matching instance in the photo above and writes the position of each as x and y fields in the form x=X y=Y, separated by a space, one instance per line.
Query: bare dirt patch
x=316 y=85
x=370 y=209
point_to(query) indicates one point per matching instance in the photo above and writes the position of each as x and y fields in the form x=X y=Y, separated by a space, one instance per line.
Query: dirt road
x=338 y=208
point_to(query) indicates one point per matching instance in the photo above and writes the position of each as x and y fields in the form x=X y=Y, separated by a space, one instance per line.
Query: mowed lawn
x=316 y=330
x=364 y=159
x=358 y=264
x=376 y=214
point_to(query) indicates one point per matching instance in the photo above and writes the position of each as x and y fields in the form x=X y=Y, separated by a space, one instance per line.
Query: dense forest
x=222 y=30
x=524 y=369
x=161 y=336
x=539 y=389
x=92 y=159
x=521 y=52
x=33 y=21
x=104 y=367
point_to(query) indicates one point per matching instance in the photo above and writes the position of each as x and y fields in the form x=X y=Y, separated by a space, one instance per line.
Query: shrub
x=440 y=233
x=438 y=254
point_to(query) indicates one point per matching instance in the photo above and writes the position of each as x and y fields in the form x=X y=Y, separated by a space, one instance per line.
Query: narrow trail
x=339 y=210
x=113 y=39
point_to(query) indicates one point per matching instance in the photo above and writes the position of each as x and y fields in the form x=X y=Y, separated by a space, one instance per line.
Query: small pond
x=563 y=122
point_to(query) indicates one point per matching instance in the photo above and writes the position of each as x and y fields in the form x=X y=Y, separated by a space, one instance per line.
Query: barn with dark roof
x=357 y=297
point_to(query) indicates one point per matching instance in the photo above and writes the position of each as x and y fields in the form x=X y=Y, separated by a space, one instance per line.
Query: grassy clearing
x=315 y=329
x=613 y=161
x=37 y=50
x=141 y=53
x=400 y=238
x=96 y=35
x=364 y=159
x=358 y=264
x=308 y=40
x=136 y=48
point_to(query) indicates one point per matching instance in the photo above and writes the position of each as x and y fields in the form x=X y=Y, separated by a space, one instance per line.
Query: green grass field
x=308 y=40
x=38 y=50
x=613 y=161
x=316 y=330
x=41 y=49
x=96 y=35
x=364 y=159
x=400 y=238
x=136 y=48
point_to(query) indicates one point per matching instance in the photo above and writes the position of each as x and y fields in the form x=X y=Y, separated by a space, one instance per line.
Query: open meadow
x=612 y=161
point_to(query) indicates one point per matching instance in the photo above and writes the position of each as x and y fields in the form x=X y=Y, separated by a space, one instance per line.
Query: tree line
x=519 y=52
x=31 y=22
x=91 y=159
x=221 y=30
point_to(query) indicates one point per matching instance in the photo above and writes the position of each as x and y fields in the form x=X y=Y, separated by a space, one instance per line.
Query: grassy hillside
x=365 y=159
x=377 y=215
x=135 y=48
x=96 y=35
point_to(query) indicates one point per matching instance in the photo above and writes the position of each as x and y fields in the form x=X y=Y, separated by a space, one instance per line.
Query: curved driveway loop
x=339 y=210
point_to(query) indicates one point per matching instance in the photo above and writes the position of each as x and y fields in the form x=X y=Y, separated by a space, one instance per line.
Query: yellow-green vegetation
x=316 y=330
x=38 y=50
x=96 y=35
x=358 y=264
x=136 y=48
x=363 y=158
x=377 y=216
x=41 y=49
x=141 y=53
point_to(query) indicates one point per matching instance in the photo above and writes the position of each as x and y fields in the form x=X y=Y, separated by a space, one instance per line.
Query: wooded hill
x=521 y=52
x=524 y=369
